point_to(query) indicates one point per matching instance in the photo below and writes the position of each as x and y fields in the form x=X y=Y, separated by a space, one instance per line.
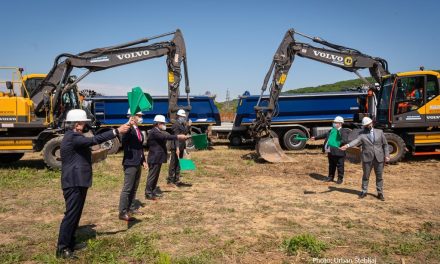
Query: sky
x=230 y=44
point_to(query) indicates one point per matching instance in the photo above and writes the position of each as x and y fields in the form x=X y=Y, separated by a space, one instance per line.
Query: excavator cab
x=406 y=99
x=18 y=108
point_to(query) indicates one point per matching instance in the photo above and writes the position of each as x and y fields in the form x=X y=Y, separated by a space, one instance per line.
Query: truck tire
x=51 y=153
x=10 y=157
x=113 y=145
x=396 y=146
x=291 y=143
x=235 y=140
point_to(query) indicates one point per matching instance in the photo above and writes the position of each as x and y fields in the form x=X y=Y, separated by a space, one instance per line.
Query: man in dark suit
x=181 y=126
x=336 y=157
x=133 y=161
x=157 y=153
x=374 y=153
x=76 y=175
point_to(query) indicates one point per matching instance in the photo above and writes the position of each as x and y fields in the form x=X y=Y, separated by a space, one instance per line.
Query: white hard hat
x=181 y=112
x=366 y=121
x=376 y=84
x=138 y=113
x=77 y=115
x=159 y=119
x=339 y=119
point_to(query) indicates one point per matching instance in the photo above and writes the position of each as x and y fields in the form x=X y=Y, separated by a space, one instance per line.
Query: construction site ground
x=239 y=209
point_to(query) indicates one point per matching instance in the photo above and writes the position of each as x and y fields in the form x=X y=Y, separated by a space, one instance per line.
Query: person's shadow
x=32 y=164
x=318 y=177
x=85 y=232
x=343 y=190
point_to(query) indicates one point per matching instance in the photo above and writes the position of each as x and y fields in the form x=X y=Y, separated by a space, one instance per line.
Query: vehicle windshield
x=385 y=93
x=384 y=100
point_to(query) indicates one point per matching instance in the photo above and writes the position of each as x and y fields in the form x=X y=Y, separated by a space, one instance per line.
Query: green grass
x=304 y=242
x=21 y=178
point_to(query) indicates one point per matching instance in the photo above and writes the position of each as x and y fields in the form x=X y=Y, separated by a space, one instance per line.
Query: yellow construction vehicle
x=33 y=107
x=17 y=116
x=405 y=105
x=408 y=110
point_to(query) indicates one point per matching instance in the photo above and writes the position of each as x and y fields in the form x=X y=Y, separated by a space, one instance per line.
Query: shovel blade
x=270 y=150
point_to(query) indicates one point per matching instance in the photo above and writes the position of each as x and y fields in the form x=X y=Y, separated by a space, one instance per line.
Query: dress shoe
x=136 y=212
x=150 y=197
x=183 y=184
x=65 y=253
x=126 y=217
x=339 y=181
x=329 y=179
x=381 y=197
x=362 y=195
x=157 y=190
x=79 y=246
x=158 y=195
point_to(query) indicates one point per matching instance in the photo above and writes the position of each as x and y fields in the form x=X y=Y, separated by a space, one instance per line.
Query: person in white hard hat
x=374 y=154
x=76 y=175
x=157 y=154
x=181 y=126
x=336 y=157
x=133 y=160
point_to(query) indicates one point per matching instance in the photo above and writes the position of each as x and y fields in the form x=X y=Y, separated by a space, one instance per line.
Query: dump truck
x=299 y=116
x=111 y=112
x=33 y=107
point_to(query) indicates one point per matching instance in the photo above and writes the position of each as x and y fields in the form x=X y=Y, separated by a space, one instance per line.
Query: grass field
x=239 y=210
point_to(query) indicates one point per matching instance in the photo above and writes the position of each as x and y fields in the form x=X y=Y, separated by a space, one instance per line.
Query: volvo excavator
x=405 y=105
x=352 y=60
x=33 y=120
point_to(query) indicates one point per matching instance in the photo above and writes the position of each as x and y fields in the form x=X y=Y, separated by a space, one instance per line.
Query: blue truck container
x=111 y=111
x=298 y=115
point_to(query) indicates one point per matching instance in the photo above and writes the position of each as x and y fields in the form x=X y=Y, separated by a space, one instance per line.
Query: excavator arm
x=339 y=56
x=58 y=84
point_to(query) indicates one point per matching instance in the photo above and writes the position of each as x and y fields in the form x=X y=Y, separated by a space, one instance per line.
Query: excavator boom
x=58 y=84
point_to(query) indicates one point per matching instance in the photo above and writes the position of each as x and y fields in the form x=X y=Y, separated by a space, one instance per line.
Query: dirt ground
x=239 y=210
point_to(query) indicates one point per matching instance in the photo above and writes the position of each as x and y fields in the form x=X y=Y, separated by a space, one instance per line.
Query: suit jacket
x=344 y=139
x=377 y=150
x=76 y=158
x=133 y=148
x=157 y=145
x=177 y=129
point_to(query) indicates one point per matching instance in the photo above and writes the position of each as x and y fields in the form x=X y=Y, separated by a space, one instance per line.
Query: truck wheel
x=294 y=144
x=396 y=147
x=113 y=145
x=52 y=154
x=235 y=140
x=10 y=157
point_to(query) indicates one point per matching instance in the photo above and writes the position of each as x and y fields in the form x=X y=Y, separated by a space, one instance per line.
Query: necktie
x=138 y=134
x=372 y=135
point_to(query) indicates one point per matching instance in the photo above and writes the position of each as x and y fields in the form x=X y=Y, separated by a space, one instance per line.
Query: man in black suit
x=336 y=157
x=157 y=153
x=133 y=161
x=76 y=175
x=181 y=126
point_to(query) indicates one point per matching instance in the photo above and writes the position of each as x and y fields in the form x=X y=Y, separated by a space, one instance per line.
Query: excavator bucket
x=270 y=150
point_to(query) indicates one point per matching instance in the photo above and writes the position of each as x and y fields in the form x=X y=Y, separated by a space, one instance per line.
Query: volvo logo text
x=328 y=56
x=133 y=54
